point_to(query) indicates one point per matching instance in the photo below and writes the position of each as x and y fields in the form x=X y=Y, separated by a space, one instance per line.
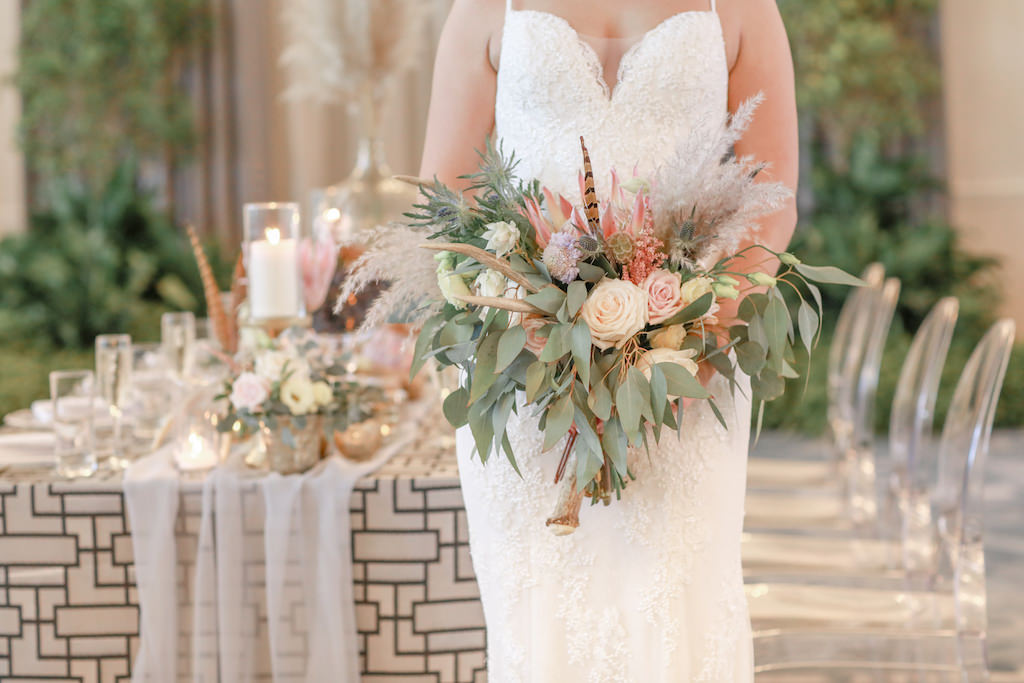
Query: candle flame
x=332 y=215
x=273 y=235
x=196 y=445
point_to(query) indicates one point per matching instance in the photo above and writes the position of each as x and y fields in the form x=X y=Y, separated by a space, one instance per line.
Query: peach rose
x=615 y=311
x=532 y=324
x=664 y=298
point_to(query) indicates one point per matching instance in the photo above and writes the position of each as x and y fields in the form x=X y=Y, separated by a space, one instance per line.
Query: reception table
x=69 y=604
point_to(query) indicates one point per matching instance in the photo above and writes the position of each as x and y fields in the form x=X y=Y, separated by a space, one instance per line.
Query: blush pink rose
x=534 y=343
x=664 y=295
x=249 y=392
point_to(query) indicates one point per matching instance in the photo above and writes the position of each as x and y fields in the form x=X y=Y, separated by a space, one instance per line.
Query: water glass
x=74 y=407
x=151 y=396
x=113 y=378
x=178 y=338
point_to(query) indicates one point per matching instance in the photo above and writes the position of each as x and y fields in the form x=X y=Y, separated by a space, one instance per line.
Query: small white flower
x=490 y=283
x=694 y=289
x=762 y=279
x=502 y=237
x=297 y=393
x=322 y=393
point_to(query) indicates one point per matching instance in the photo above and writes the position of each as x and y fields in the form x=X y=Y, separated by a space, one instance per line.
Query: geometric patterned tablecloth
x=69 y=608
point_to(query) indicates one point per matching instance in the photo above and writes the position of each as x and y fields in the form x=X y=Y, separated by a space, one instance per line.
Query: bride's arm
x=763 y=63
x=462 y=96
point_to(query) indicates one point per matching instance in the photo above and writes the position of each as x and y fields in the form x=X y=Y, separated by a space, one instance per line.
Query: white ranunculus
x=490 y=283
x=615 y=311
x=653 y=357
x=695 y=289
x=298 y=394
x=322 y=393
x=502 y=237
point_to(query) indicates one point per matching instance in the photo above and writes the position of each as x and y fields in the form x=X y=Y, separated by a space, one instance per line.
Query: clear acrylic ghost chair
x=845 y=352
x=911 y=451
x=853 y=381
x=936 y=627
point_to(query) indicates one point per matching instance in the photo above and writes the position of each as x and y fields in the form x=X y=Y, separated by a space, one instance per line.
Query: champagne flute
x=178 y=337
x=73 y=396
x=113 y=379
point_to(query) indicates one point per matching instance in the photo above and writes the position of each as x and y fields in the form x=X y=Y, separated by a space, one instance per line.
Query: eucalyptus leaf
x=575 y=297
x=776 y=326
x=549 y=299
x=768 y=385
x=659 y=394
x=559 y=419
x=424 y=342
x=615 y=445
x=643 y=389
x=588 y=464
x=695 y=310
x=681 y=382
x=829 y=275
x=557 y=345
x=589 y=272
x=808 y=323
x=600 y=399
x=484 y=374
x=483 y=430
x=756 y=332
x=627 y=402
x=456 y=407
x=581 y=346
x=751 y=357
x=512 y=342
x=536 y=376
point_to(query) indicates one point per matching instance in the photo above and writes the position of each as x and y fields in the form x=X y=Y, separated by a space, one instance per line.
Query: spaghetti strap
x=713 y=9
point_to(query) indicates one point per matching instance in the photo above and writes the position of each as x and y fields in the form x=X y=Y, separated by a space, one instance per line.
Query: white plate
x=24 y=419
x=27 y=449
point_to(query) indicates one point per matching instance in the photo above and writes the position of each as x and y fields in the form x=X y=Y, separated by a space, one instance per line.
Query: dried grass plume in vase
x=595 y=315
x=334 y=46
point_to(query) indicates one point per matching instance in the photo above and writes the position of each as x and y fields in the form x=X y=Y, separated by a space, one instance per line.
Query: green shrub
x=96 y=264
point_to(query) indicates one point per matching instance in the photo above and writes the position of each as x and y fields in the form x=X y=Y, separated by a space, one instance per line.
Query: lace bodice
x=551 y=89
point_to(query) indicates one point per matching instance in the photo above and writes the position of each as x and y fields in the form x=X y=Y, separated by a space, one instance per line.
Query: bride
x=649 y=589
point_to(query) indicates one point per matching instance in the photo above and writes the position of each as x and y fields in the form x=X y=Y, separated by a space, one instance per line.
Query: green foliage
x=95 y=264
x=26 y=371
x=100 y=83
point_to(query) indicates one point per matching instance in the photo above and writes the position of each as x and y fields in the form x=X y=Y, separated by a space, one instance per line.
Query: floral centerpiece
x=600 y=314
x=291 y=391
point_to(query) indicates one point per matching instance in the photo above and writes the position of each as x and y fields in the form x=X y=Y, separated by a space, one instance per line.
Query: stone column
x=12 y=167
x=983 y=69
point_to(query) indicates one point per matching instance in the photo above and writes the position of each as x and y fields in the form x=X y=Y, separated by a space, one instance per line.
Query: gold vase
x=296 y=454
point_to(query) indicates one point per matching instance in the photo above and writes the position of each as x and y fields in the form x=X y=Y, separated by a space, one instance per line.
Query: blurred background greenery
x=104 y=109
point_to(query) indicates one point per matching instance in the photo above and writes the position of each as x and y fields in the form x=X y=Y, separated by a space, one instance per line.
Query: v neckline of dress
x=594 y=59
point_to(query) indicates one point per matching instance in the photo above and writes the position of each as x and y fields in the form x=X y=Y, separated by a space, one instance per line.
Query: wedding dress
x=650 y=588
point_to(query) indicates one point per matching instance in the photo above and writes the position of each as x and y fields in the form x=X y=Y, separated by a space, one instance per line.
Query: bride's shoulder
x=475 y=25
x=748 y=21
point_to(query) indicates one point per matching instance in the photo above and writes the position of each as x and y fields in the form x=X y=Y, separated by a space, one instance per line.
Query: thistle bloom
x=562 y=256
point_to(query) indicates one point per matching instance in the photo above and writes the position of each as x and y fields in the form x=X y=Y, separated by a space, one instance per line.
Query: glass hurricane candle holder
x=271 y=249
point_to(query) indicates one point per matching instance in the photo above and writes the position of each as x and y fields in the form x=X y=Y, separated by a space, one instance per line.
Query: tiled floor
x=1004 y=542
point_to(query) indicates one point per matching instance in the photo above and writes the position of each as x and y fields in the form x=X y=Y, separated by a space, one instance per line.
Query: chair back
x=846 y=356
x=958 y=495
x=912 y=465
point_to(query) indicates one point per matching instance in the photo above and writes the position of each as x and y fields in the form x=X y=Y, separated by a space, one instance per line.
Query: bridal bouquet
x=600 y=313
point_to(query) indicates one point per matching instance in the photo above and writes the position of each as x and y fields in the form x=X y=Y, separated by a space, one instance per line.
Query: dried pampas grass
x=334 y=46
x=716 y=195
x=393 y=256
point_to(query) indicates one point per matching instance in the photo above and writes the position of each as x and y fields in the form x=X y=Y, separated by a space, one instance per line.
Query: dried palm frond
x=333 y=47
x=393 y=256
x=707 y=202
x=224 y=327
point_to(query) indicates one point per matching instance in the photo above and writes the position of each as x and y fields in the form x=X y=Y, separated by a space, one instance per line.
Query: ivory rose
x=615 y=311
x=322 y=393
x=664 y=297
x=534 y=343
x=653 y=357
x=249 y=392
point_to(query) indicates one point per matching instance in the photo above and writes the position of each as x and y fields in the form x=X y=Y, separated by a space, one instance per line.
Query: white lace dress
x=650 y=588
